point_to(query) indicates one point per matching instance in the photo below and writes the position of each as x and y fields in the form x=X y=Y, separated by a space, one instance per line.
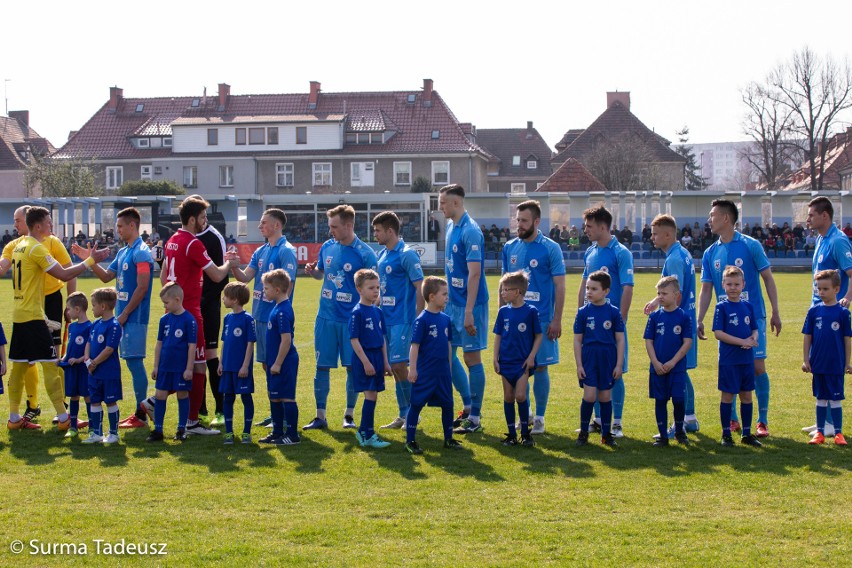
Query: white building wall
x=193 y=138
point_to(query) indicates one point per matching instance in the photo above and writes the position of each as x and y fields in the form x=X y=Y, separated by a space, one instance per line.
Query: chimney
x=313 y=98
x=23 y=116
x=529 y=130
x=224 y=93
x=616 y=97
x=115 y=96
x=427 y=92
x=469 y=131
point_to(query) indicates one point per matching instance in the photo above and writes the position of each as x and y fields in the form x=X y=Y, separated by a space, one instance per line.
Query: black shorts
x=31 y=342
x=211 y=314
x=54 y=309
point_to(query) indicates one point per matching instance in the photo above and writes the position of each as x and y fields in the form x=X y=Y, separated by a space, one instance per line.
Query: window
x=516 y=160
x=257 y=135
x=532 y=164
x=114 y=177
x=363 y=174
x=146 y=172
x=158 y=170
x=196 y=102
x=411 y=98
x=519 y=188
x=402 y=173
x=140 y=107
x=272 y=135
x=301 y=135
x=436 y=134
x=190 y=176
x=240 y=136
x=143 y=143
x=242 y=218
x=322 y=173
x=284 y=175
x=167 y=142
x=212 y=136
x=226 y=176
x=440 y=173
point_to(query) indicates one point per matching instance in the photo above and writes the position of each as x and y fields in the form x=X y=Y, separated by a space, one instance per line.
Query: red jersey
x=184 y=263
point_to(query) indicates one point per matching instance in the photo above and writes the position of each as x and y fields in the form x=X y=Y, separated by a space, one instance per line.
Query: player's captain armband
x=143 y=268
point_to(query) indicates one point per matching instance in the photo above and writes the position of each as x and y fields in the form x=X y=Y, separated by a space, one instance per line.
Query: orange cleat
x=132 y=422
x=735 y=426
x=22 y=424
x=81 y=424
x=762 y=431
x=839 y=440
x=817 y=439
x=64 y=425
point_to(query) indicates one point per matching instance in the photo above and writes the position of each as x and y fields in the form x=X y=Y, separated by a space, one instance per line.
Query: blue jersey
x=540 y=260
x=281 y=320
x=828 y=327
x=399 y=270
x=745 y=253
x=464 y=243
x=432 y=333
x=615 y=260
x=339 y=264
x=668 y=330
x=517 y=328
x=176 y=332
x=128 y=263
x=270 y=257
x=105 y=333
x=833 y=251
x=736 y=319
x=598 y=324
x=78 y=335
x=367 y=325
x=238 y=332
x=2 y=335
x=680 y=265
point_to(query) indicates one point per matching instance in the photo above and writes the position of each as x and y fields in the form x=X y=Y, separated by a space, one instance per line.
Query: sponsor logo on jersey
x=458 y=282
x=388 y=301
x=326 y=294
x=344 y=297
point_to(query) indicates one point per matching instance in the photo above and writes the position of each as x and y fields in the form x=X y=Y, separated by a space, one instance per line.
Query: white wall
x=193 y=138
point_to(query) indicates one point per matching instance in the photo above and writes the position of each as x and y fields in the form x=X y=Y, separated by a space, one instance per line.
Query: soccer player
x=339 y=259
x=678 y=264
x=735 y=249
x=541 y=260
x=668 y=340
x=236 y=369
x=101 y=358
x=132 y=270
x=31 y=339
x=72 y=363
x=598 y=353
x=401 y=277
x=608 y=255
x=468 y=305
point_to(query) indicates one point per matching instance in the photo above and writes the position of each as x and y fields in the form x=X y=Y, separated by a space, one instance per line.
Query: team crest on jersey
x=738 y=262
x=269 y=325
x=717 y=264
x=125 y=266
x=513 y=259
x=676 y=330
x=607 y=324
x=455 y=248
x=388 y=269
x=835 y=325
x=100 y=338
x=328 y=260
x=522 y=327
x=819 y=260
x=747 y=320
x=271 y=266
x=178 y=333
x=533 y=263
x=238 y=332
x=338 y=279
x=604 y=269
x=347 y=267
x=80 y=340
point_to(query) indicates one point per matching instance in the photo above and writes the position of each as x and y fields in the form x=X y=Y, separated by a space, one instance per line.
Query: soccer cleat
x=22 y=424
x=55 y=419
x=735 y=426
x=245 y=438
x=468 y=427
x=809 y=429
x=316 y=424
x=751 y=441
x=94 y=439
x=270 y=439
x=617 y=431
x=132 y=422
x=583 y=438
x=840 y=439
x=462 y=416
x=219 y=420
x=594 y=426
x=609 y=440
x=265 y=423
x=510 y=440
x=288 y=441
x=452 y=444
x=32 y=413
x=111 y=439
x=413 y=448
x=360 y=437
x=228 y=440
x=375 y=442
x=661 y=443
x=817 y=440
x=71 y=433
x=198 y=429
x=155 y=436
x=64 y=425
x=727 y=441
x=761 y=431
x=691 y=426
x=538 y=426
x=682 y=438
x=148 y=408
x=82 y=424
x=349 y=422
x=527 y=441
x=395 y=425
x=180 y=435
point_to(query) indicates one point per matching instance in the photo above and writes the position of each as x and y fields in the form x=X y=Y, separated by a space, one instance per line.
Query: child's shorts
x=828 y=387
x=76 y=380
x=361 y=381
x=283 y=385
x=736 y=378
x=107 y=391
x=668 y=386
x=231 y=383
x=172 y=381
x=512 y=372
x=434 y=391
x=599 y=362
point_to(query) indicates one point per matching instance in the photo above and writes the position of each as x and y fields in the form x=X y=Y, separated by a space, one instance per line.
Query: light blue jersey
x=541 y=260
x=399 y=270
x=680 y=265
x=127 y=264
x=339 y=263
x=833 y=251
x=615 y=260
x=464 y=243
x=745 y=253
x=270 y=257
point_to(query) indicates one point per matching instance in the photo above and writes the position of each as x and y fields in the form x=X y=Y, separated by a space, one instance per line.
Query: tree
x=73 y=177
x=623 y=165
x=692 y=176
x=149 y=187
x=421 y=185
x=769 y=124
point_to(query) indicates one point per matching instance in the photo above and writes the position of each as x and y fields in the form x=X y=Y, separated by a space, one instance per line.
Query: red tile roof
x=837 y=157
x=17 y=137
x=571 y=176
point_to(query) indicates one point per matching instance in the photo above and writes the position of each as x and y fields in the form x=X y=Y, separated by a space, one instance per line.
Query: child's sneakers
x=374 y=442
x=23 y=424
x=71 y=433
x=527 y=441
x=462 y=416
x=94 y=439
x=155 y=436
x=111 y=439
x=510 y=440
x=316 y=424
x=148 y=408
x=762 y=431
x=132 y=421
x=452 y=444
x=245 y=438
x=609 y=440
x=538 y=426
x=751 y=441
x=64 y=425
x=180 y=435
x=617 y=432
x=735 y=426
x=839 y=439
x=661 y=442
x=395 y=425
x=228 y=439
x=219 y=420
x=682 y=438
x=468 y=426
x=582 y=438
x=818 y=439
x=413 y=448
x=349 y=422
x=727 y=441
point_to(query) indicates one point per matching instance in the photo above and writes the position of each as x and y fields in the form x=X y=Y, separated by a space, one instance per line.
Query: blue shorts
x=398 y=340
x=361 y=381
x=172 y=381
x=736 y=378
x=432 y=391
x=107 y=391
x=461 y=338
x=231 y=383
x=828 y=387
x=283 y=385
x=260 y=344
x=760 y=350
x=548 y=353
x=598 y=362
x=512 y=371
x=133 y=341
x=76 y=380
x=668 y=386
x=332 y=342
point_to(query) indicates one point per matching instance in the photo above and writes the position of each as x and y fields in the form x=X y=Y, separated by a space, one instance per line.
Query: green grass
x=327 y=502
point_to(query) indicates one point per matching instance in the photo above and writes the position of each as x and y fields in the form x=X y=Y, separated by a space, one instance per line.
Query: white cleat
x=397 y=424
x=616 y=431
x=93 y=439
x=198 y=429
x=111 y=439
x=809 y=429
x=538 y=426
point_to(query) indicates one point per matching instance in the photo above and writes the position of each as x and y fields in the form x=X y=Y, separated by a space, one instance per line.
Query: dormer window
x=516 y=160
x=143 y=143
x=532 y=164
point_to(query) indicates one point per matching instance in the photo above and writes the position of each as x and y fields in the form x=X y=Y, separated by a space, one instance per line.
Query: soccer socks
x=689 y=409
x=509 y=411
x=586 y=408
x=291 y=412
x=351 y=394
x=446 y=421
x=524 y=416
x=746 y=411
x=368 y=414
x=54 y=383
x=31 y=385
x=679 y=414
x=113 y=419
x=661 y=413
x=196 y=395
x=541 y=390
x=761 y=389
x=277 y=411
x=837 y=415
x=159 y=414
x=136 y=366
x=725 y=410
x=606 y=416
x=414 y=417
x=403 y=397
x=477 y=390
x=460 y=382
x=96 y=420
x=322 y=384
x=228 y=411
x=213 y=374
x=183 y=412
x=617 y=400
x=248 y=412
x=821 y=411
x=73 y=411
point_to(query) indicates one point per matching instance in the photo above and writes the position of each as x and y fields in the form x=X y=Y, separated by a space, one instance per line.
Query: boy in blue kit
x=430 y=357
x=370 y=363
x=827 y=348
x=282 y=361
x=517 y=339
x=668 y=339
x=174 y=359
x=735 y=327
x=237 y=363
x=76 y=374
x=599 y=355
x=101 y=358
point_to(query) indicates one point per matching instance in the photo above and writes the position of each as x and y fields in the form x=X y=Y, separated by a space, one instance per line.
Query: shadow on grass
x=37 y=447
x=459 y=462
x=112 y=455
x=308 y=456
x=536 y=460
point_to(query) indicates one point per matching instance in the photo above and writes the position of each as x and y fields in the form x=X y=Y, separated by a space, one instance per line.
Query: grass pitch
x=328 y=502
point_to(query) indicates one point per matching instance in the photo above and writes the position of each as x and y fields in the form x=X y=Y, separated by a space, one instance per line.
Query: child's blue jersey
x=281 y=320
x=78 y=335
x=517 y=328
x=399 y=270
x=105 y=333
x=598 y=324
x=126 y=267
x=615 y=260
x=176 y=332
x=237 y=332
x=668 y=330
x=541 y=260
x=271 y=257
x=339 y=264
x=464 y=243
x=745 y=253
x=433 y=333
x=828 y=326
x=736 y=319
x=833 y=251
x=367 y=325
